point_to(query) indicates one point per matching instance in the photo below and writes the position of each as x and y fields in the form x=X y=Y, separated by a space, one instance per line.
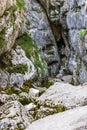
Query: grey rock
x=85 y=59
x=44 y=111
x=19 y=57
x=83 y=74
x=4 y=78
x=4 y=98
x=65 y=95
x=74 y=20
x=41 y=31
x=16 y=80
x=34 y=93
x=30 y=107
x=6 y=25
x=13 y=116
x=75 y=119
x=67 y=78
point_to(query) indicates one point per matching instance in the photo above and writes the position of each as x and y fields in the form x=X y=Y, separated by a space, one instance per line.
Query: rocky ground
x=60 y=107
x=43 y=65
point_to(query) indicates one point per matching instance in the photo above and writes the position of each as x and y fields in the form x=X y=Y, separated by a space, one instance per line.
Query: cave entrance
x=63 y=50
x=61 y=47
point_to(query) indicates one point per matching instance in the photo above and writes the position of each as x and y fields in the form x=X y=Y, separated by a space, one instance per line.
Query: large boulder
x=64 y=95
x=75 y=119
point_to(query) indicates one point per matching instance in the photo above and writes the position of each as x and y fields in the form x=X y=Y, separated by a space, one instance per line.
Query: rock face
x=76 y=22
x=13 y=116
x=11 y=24
x=68 y=20
x=75 y=119
x=19 y=57
x=14 y=76
x=41 y=31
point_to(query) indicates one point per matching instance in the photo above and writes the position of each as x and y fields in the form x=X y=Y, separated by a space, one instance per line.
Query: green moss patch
x=20 y=68
x=33 y=52
x=60 y=108
x=12 y=90
x=20 y=4
x=83 y=33
x=2 y=38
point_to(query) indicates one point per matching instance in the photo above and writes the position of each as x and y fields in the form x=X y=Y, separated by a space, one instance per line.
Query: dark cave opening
x=61 y=47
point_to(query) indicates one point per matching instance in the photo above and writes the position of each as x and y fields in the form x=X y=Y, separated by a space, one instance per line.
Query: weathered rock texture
x=15 y=77
x=11 y=24
x=75 y=14
x=64 y=94
x=68 y=20
x=41 y=31
x=13 y=116
x=75 y=119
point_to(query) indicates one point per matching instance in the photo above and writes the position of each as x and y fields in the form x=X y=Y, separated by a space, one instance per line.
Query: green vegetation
x=20 y=68
x=26 y=88
x=12 y=90
x=50 y=52
x=47 y=84
x=28 y=22
x=33 y=52
x=60 y=108
x=20 y=4
x=83 y=33
x=72 y=82
x=24 y=101
x=2 y=38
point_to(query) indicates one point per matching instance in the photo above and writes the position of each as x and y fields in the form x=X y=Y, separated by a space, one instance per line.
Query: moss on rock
x=33 y=52
x=20 y=68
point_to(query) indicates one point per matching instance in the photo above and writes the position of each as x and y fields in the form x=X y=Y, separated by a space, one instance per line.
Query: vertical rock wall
x=41 y=31
x=68 y=20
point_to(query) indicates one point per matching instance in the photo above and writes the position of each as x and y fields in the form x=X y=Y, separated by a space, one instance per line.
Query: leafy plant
x=83 y=33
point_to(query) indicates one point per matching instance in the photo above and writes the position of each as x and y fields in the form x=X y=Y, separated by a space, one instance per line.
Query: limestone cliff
x=68 y=20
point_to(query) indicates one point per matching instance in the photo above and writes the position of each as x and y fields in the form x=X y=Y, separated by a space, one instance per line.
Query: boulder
x=4 y=78
x=64 y=95
x=75 y=119
x=33 y=93
x=13 y=116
